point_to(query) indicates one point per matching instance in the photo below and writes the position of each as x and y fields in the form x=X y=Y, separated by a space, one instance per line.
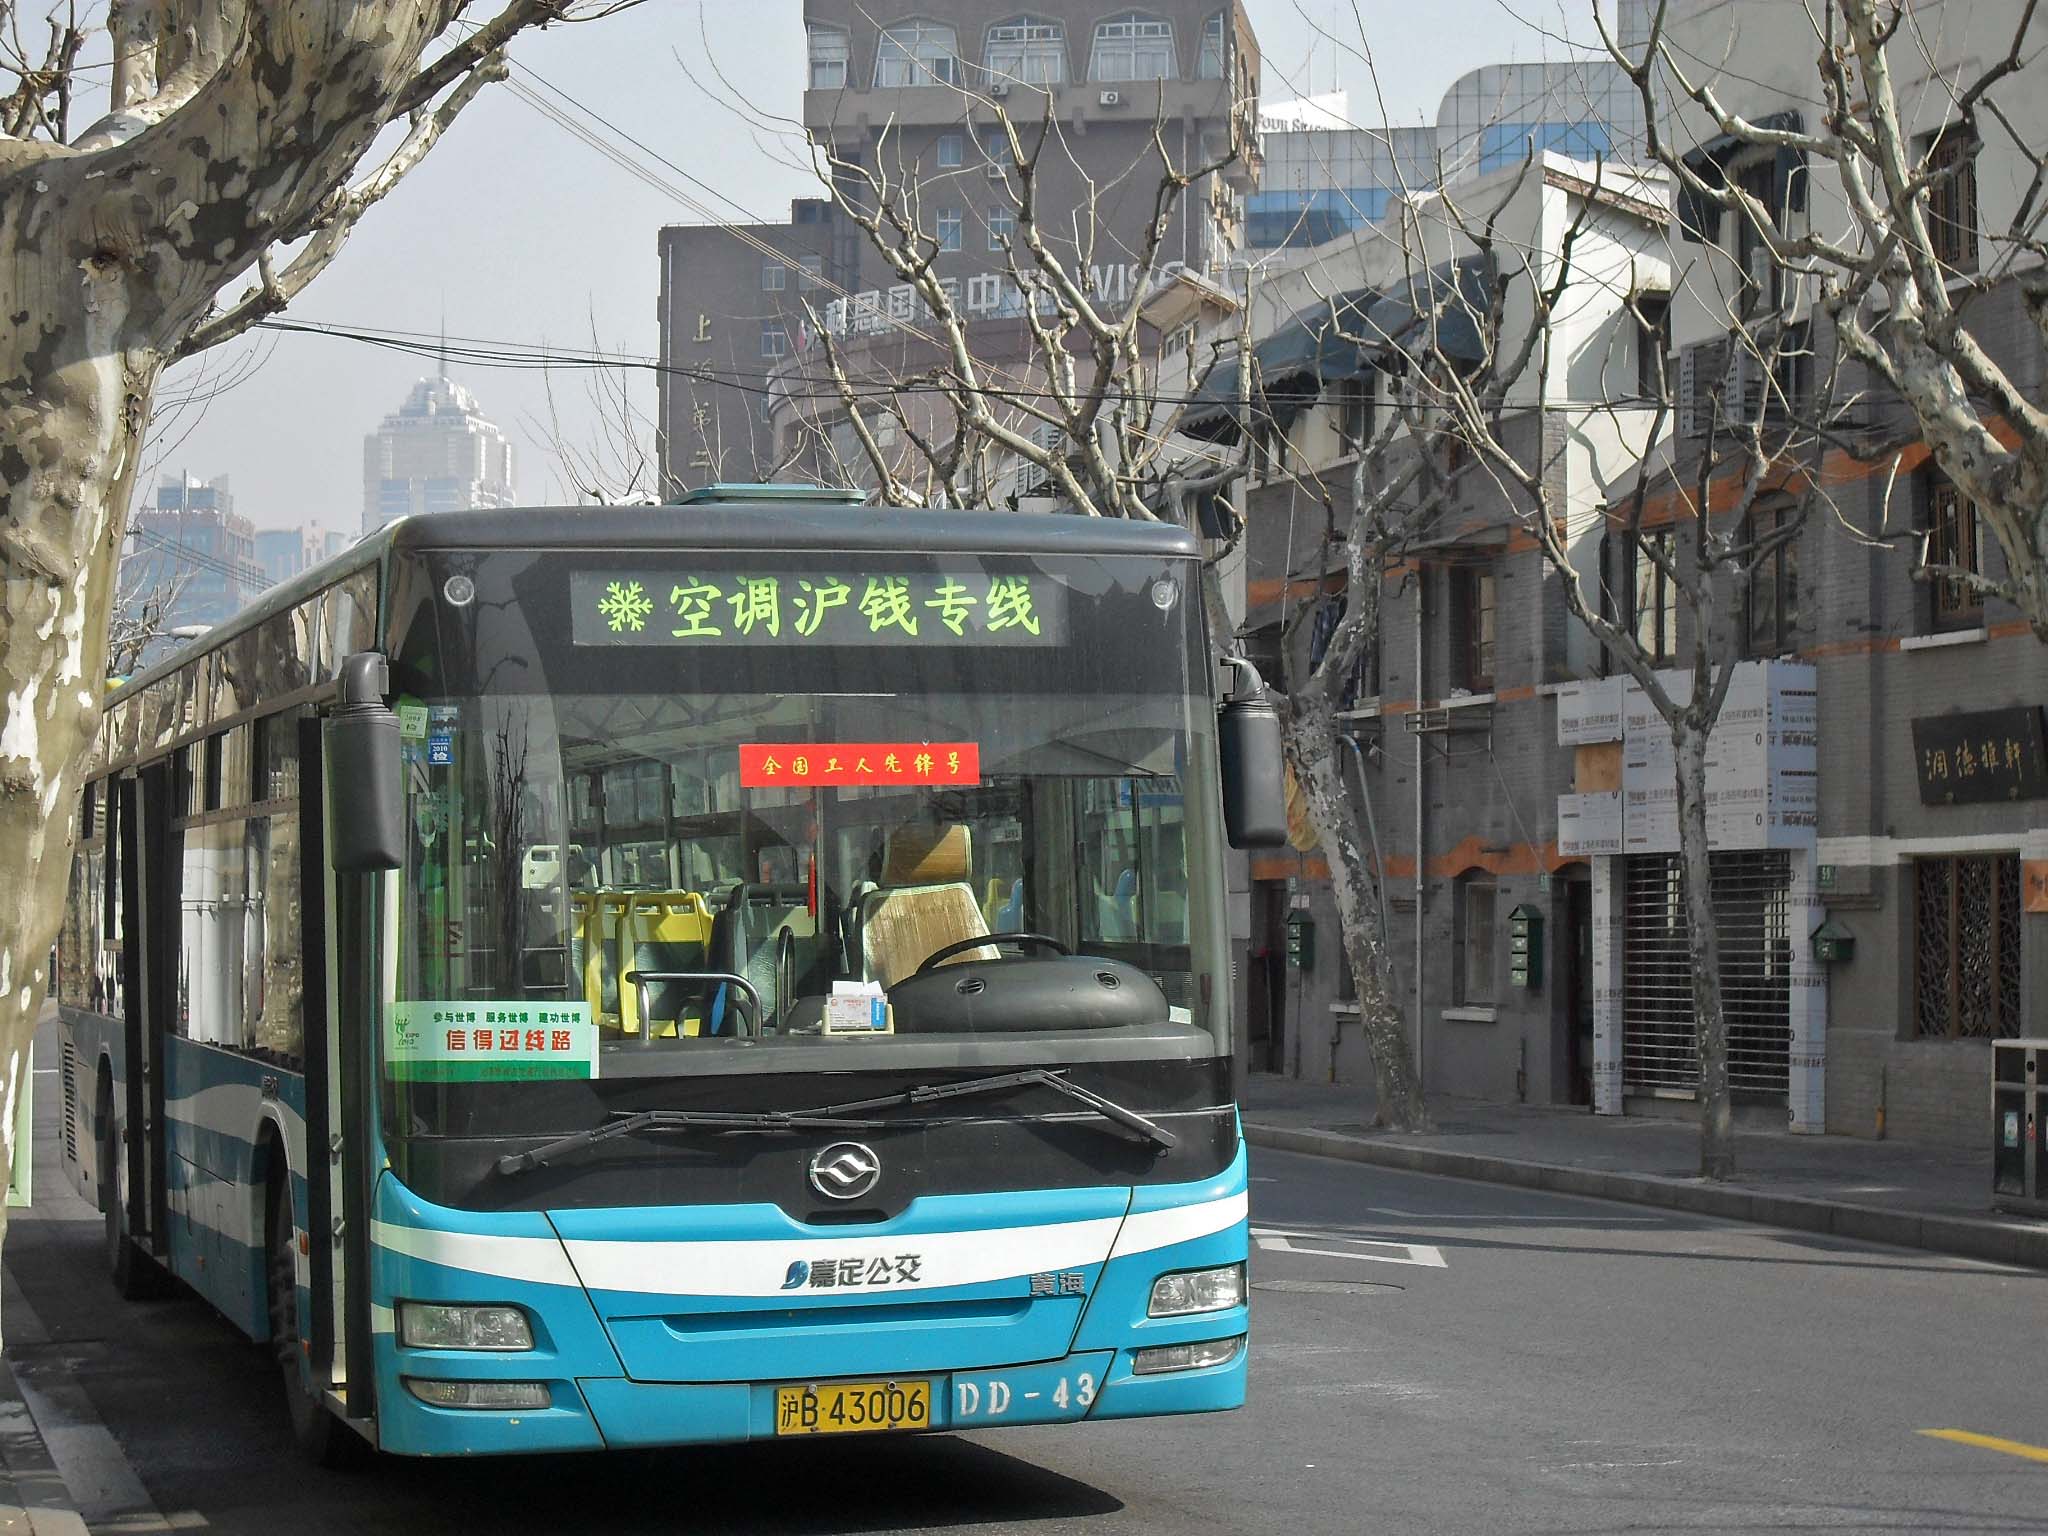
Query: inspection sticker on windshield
x=772 y=764
x=490 y=1042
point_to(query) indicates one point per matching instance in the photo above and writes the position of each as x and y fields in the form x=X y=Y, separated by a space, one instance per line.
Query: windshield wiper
x=1036 y=1077
x=684 y=1120
x=849 y=1116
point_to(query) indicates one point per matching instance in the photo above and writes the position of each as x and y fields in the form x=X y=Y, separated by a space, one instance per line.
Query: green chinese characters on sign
x=723 y=608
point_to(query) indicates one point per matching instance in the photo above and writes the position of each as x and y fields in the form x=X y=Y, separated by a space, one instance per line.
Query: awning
x=1316 y=346
x=1441 y=310
x=1699 y=216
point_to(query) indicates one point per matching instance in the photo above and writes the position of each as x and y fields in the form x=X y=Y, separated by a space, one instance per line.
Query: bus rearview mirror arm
x=1249 y=750
x=363 y=771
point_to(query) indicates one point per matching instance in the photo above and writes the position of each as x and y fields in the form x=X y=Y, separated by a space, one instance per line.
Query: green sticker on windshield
x=490 y=1042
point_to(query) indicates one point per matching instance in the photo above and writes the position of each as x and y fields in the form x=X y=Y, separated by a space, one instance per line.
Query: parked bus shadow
x=925 y=1482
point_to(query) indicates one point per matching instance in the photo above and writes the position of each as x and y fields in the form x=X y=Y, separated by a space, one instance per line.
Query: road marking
x=1990 y=1443
x=1279 y=1240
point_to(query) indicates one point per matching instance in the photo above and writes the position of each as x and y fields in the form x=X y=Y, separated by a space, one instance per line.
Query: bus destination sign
x=720 y=608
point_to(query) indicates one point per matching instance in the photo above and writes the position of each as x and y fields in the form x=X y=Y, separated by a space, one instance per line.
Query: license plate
x=851 y=1407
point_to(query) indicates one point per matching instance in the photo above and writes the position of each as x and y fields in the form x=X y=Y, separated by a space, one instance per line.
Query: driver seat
x=925 y=902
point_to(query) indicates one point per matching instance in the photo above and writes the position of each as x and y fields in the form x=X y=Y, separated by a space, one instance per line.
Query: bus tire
x=321 y=1437
x=136 y=1276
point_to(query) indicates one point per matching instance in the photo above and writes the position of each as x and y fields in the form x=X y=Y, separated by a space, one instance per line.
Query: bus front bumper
x=613 y=1412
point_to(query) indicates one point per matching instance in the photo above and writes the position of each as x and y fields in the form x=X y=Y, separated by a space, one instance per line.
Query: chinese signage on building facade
x=984 y=295
x=1985 y=756
x=933 y=608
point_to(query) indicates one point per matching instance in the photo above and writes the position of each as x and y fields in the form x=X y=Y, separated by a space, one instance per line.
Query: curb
x=1963 y=1236
x=33 y=1496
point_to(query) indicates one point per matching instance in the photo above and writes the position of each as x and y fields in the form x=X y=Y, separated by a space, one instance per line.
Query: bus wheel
x=323 y=1438
x=136 y=1275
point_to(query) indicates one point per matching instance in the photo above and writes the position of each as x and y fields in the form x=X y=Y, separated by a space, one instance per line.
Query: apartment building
x=919 y=101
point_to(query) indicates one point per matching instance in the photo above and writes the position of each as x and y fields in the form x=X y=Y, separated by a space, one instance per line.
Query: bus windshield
x=707 y=814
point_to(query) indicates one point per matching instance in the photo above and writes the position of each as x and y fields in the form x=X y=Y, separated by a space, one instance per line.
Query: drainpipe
x=1421 y=750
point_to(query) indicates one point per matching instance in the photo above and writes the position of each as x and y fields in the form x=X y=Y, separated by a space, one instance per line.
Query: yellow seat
x=662 y=931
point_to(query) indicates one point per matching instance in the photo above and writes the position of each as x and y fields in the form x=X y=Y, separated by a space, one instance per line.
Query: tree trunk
x=1703 y=946
x=1312 y=752
x=71 y=408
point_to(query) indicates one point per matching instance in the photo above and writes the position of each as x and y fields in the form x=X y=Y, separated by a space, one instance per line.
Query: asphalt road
x=1429 y=1355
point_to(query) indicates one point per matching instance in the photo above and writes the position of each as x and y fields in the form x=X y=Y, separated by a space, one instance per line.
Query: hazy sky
x=515 y=231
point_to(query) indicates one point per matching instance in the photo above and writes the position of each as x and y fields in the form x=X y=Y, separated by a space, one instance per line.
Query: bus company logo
x=827 y=1274
x=846 y=1170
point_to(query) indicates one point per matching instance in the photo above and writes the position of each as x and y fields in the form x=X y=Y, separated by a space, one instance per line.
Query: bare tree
x=1689 y=519
x=1075 y=406
x=233 y=140
x=1891 y=246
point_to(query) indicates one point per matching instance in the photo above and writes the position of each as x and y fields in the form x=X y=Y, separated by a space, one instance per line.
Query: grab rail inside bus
x=638 y=980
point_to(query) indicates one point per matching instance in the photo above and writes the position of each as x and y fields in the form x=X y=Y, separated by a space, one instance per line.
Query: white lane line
x=1365 y=1250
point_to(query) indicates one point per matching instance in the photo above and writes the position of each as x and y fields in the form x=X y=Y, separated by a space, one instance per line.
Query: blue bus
x=755 y=967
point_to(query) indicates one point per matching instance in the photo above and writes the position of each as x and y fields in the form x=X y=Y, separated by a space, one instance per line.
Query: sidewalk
x=34 y=1498
x=1880 y=1191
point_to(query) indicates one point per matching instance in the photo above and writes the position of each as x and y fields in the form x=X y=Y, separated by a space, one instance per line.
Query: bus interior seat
x=667 y=931
x=1010 y=916
x=925 y=902
x=746 y=937
x=604 y=915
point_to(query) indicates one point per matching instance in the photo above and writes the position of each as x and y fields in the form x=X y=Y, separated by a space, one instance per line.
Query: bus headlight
x=1197 y=1290
x=430 y=1325
x=501 y=1395
x=1184 y=1357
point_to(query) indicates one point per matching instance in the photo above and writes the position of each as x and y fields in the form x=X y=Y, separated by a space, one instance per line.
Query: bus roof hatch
x=829 y=495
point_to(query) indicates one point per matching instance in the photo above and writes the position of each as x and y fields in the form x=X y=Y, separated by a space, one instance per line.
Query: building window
x=1026 y=52
x=949 y=151
x=916 y=53
x=1132 y=47
x=949 y=229
x=1002 y=226
x=1773 y=596
x=1472 y=627
x=1214 y=48
x=1759 y=177
x=1653 y=345
x=1966 y=972
x=1472 y=916
x=774 y=275
x=1952 y=201
x=1653 y=597
x=774 y=340
x=810 y=271
x=828 y=59
x=1356 y=399
x=1953 y=539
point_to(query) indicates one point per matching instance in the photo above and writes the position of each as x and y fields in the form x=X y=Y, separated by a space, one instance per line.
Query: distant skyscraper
x=435 y=453
x=284 y=552
x=193 y=558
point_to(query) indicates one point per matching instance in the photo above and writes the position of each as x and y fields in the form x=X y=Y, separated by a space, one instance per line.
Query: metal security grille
x=1752 y=905
x=1967 y=947
x=70 y=1101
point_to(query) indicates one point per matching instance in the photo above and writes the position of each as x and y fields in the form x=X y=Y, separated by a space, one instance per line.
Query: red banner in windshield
x=858 y=764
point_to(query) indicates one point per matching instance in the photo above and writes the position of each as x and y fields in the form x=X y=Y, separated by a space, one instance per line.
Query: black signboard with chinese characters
x=1981 y=758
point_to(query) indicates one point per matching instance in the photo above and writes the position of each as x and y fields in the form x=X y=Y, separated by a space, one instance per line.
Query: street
x=1430 y=1355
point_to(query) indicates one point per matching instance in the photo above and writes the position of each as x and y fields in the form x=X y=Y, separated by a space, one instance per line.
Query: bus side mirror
x=1248 y=745
x=360 y=744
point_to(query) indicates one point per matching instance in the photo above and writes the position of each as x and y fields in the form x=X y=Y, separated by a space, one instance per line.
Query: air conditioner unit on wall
x=999 y=88
x=1110 y=98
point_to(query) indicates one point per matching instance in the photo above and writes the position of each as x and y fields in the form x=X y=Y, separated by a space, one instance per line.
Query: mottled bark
x=112 y=250
x=1703 y=950
x=1312 y=752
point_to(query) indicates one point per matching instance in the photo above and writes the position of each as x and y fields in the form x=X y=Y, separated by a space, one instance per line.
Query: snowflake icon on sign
x=625 y=605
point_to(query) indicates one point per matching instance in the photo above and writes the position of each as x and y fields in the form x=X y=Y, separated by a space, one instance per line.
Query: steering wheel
x=989 y=940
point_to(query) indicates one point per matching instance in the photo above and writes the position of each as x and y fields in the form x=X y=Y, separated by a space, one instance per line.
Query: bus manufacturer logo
x=846 y=1170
